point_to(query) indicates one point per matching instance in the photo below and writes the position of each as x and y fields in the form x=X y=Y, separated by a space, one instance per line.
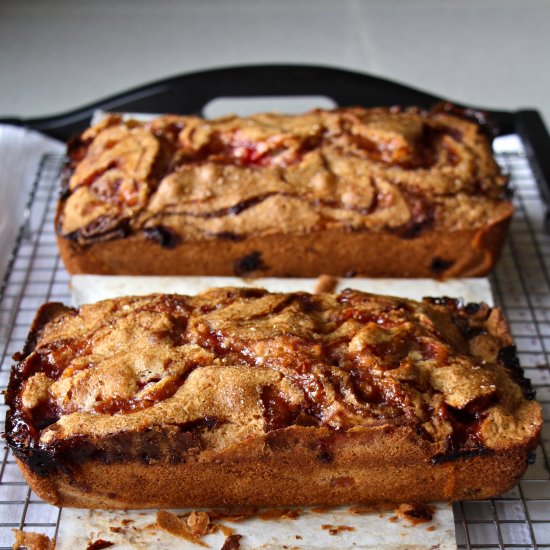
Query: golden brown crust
x=269 y=186
x=242 y=386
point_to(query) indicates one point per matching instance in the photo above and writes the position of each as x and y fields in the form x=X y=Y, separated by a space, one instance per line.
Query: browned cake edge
x=297 y=465
x=434 y=253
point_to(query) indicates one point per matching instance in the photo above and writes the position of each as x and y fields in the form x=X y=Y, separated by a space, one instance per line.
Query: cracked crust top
x=231 y=364
x=180 y=178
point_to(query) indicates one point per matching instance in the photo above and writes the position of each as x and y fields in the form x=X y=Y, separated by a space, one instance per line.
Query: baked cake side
x=243 y=397
x=402 y=193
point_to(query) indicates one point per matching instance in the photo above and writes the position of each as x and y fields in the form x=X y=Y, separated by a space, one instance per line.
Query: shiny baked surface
x=230 y=364
x=180 y=178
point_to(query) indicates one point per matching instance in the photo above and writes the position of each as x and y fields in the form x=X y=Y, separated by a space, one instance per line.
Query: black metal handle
x=189 y=93
x=536 y=140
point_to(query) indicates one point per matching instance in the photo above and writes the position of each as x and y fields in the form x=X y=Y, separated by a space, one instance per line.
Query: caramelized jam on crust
x=158 y=377
x=180 y=178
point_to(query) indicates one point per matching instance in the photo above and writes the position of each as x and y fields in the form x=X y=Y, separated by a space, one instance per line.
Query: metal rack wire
x=519 y=519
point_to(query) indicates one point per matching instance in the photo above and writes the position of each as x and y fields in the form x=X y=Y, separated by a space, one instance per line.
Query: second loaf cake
x=242 y=397
x=377 y=192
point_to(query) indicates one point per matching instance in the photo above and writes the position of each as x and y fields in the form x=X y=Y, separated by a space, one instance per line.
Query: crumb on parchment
x=32 y=540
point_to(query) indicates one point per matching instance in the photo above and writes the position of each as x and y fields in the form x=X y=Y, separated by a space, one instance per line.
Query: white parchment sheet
x=373 y=530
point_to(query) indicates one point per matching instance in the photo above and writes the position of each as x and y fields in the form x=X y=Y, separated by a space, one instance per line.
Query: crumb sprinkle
x=336 y=529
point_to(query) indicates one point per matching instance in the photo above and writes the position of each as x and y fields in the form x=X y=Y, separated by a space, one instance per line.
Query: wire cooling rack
x=518 y=519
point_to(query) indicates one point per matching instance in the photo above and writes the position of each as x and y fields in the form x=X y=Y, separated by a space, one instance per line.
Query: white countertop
x=60 y=54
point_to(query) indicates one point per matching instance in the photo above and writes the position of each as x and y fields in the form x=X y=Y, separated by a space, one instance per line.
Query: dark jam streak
x=278 y=413
x=440 y=265
x=232 y=542
x=416 y=513
x=163 y=236
x=507 y=357
x=99 y=544
x=248 y=264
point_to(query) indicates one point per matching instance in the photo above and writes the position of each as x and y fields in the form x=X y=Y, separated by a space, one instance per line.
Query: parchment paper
x=373 y=530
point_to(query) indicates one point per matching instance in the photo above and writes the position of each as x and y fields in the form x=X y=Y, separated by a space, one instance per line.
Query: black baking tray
x=189 y=93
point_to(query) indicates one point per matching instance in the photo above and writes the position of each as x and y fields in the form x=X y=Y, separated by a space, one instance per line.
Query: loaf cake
x=240 y=397
x=376 y=192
